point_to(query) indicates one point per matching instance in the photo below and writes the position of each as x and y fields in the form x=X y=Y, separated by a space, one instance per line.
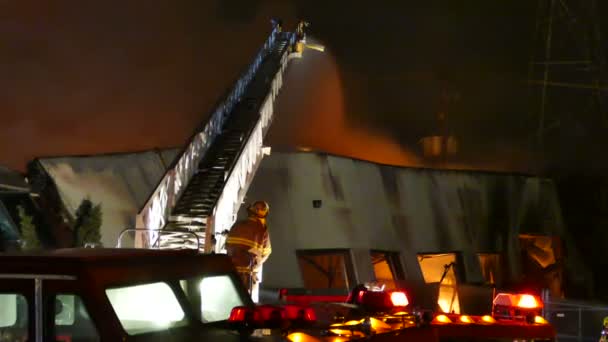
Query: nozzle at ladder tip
x=317 y=47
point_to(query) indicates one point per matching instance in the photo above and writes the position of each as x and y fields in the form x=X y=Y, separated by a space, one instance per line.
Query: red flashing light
x=527 y=301
x=270 y=316
x=238 y=314
x=310 y=315
x=398 y=298
x=382 y=300
x=300 y=313
x=269 y=313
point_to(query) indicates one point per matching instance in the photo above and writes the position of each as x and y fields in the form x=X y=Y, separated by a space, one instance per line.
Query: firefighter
x=604 y=334
x=248 y=244
x=277 y=23
x=301 y=29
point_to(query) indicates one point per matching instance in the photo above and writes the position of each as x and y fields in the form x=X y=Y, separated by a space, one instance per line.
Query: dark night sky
x=82 y=77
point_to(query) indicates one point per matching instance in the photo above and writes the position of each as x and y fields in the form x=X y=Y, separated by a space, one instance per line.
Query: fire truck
x=151 y=295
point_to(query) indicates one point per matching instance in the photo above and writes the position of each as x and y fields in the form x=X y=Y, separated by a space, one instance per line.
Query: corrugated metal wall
x=371 y=206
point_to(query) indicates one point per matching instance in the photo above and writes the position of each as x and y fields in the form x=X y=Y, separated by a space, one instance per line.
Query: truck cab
x=87 y=295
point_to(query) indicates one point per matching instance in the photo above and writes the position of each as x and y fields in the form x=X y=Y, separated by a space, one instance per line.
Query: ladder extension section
x=204 y=187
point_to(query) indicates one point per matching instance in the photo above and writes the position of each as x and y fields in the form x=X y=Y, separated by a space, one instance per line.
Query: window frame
x=31 y=286
x=198 y=316
x=65 y=285
x=459 y=270
x=51 y=297
x=348 y=262
x=174 y=283
x=25 y=288
x=393 y=259
x=501 y=271
x=459 y=275
x=174 y=286
x=195 y=318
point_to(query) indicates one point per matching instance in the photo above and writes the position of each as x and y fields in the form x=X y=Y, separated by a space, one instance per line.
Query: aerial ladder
x=196 y=201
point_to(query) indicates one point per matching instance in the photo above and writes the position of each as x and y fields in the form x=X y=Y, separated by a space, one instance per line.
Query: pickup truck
x=87 y=295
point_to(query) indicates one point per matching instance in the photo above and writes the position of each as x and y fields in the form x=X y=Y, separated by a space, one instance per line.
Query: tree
x=28 y=229
x=87 y=226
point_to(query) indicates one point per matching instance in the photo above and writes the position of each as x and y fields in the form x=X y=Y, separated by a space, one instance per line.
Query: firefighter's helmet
x=259 y=209
x=605 y=322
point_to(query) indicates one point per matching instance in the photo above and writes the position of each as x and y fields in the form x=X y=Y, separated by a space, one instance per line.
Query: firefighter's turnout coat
x=248 y=244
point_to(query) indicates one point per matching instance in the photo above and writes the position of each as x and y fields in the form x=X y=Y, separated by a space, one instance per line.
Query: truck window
x=212 y=296
x=146 y=308
x=72 y=320
x=13 y=317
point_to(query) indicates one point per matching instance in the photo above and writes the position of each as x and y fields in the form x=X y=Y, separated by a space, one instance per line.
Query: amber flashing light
x=442 y=319
x=527 y=301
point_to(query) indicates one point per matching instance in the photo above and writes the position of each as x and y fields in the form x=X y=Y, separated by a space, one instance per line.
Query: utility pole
x=567 y=69
x=448 y=100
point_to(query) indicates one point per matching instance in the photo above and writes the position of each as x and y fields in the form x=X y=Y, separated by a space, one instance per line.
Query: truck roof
x=96 y=253
x=109 y=265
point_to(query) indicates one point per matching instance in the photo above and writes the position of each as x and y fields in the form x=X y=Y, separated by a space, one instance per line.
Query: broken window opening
x=387 y=268
x=542 y=262
x=441 y=268
x=491 y=268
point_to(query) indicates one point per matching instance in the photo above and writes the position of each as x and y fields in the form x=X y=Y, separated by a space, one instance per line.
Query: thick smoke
x=311 y=115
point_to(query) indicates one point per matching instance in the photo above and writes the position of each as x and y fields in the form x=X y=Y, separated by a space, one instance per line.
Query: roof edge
x=419 y=168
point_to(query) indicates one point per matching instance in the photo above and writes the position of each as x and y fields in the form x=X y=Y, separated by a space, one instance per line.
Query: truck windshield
x=146 y=308
x=212 y=297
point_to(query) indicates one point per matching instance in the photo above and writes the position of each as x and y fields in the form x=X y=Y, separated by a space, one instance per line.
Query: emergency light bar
x=269 y=316
x=379 y=300
x=517 y=307
x=523 y=301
